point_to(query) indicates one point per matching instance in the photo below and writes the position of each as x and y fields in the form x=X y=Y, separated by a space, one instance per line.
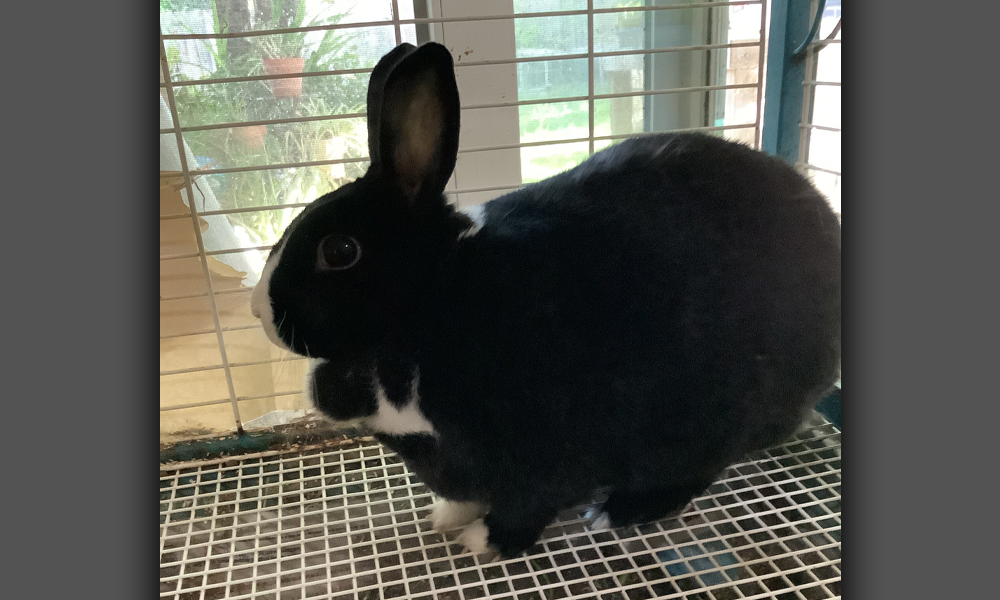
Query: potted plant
x=279 y=99
x=251 y=137
x=283 y=56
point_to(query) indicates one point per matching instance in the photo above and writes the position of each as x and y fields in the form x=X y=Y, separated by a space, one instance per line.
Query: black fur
x=638 y=322
x=376 y=83
x=354 y=384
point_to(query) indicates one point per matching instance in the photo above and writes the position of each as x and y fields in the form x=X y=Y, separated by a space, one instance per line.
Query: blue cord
x=799 y=52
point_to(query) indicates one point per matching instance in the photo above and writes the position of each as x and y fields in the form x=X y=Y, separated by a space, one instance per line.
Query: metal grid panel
x=347 y=520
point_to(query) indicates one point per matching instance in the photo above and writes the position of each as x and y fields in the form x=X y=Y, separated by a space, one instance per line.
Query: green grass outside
x=558 y=121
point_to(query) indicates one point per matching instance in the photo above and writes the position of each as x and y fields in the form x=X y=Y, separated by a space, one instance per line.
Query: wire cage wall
x=820 y=135
x=262 y=111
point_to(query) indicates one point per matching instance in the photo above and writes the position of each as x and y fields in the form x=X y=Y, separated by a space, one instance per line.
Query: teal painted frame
x=783 y=91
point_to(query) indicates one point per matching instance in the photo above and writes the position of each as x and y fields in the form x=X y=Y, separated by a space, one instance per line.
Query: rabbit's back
x=674 y=300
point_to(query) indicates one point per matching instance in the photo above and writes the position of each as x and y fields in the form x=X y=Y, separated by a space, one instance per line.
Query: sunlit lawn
x=552 y=122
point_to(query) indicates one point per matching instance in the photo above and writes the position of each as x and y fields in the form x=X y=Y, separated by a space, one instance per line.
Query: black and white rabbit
x=636 y=323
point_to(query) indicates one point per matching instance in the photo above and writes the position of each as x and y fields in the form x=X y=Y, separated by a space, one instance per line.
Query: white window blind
x=262 y=110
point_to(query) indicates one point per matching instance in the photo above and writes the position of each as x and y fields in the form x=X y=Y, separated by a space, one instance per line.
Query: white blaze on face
x=260 y=301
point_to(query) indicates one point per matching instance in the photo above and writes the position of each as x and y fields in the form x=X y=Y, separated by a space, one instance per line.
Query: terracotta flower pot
x=251 y=137
x=285 y=88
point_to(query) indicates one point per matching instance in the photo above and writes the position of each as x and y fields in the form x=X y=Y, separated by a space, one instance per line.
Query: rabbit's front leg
x=510 y=527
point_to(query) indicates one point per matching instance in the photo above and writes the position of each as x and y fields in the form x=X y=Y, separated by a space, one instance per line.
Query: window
x=262 y=110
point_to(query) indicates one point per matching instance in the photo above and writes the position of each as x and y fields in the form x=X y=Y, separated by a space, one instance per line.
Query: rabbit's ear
x=376 y=85
x=418 y=126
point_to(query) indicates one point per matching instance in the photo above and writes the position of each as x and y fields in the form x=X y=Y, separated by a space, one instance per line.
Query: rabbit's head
x=352 y=266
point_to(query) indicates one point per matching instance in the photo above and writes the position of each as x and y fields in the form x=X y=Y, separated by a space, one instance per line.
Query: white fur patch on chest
x=399 y=421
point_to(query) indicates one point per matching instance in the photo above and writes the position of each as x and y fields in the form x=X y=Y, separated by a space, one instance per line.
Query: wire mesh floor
x=349 y=521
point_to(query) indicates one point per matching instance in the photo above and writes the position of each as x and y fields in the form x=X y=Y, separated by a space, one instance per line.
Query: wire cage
x=262 y=110
x=344 y=519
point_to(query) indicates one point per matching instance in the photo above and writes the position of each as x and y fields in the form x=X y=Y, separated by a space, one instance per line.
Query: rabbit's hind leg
x=634 y=506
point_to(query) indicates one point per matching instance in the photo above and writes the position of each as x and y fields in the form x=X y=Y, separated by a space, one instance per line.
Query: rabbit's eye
x=338 y=252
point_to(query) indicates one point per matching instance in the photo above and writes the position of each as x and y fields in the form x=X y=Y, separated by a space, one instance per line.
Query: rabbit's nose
x=255 y=311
